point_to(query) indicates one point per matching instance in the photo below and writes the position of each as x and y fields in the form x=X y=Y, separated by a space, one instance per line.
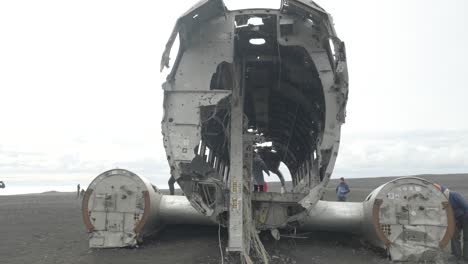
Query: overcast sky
x=80 y=88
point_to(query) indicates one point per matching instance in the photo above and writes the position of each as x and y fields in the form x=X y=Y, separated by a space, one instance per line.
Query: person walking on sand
x=342 y=190
x=78 y=191
x=460 y=213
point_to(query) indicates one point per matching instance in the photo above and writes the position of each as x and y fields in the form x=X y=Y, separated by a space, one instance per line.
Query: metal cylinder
x=335 y=216
x=408 y=216
x=120 y=208
x=178 y=210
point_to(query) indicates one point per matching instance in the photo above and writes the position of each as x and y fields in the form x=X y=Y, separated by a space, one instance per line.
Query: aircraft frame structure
x=272 y=82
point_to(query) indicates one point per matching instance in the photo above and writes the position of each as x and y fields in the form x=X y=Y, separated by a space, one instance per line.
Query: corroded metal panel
x=409 y=217
x=298 y=66
x=236 y=176
x=276 y=74
x=119 y=208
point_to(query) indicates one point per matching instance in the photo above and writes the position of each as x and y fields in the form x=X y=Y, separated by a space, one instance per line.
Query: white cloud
x=402 y=153
x=80 y=86
x=82 y=160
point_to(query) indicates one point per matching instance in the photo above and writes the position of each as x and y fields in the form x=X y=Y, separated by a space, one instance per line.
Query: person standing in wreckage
x=460 y=213
x=272 y=161
x=258 y=167
x=342 y=190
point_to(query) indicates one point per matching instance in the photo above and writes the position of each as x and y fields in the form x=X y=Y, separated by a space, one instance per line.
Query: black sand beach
x=48 y=228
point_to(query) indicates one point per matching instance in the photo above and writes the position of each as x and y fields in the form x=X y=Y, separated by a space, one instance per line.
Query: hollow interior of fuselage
x=283 y=102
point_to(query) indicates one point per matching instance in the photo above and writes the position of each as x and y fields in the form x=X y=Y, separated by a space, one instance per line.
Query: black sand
x=48 y=228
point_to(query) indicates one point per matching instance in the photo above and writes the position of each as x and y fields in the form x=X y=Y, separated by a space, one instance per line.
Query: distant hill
x=50 y=192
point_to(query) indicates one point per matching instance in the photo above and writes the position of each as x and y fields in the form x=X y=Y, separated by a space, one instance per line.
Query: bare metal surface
x=335 y=216
x=407 y=216
x=120 y=208
x=85 y=213
x=451 y=225
x=277 y=197
x=410 y=219
x=175 y=209
x=291 y=90
x=236 y=180
x=146 y=213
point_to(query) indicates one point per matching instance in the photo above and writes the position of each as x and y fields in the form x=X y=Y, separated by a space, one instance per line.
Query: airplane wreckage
x=273 y=82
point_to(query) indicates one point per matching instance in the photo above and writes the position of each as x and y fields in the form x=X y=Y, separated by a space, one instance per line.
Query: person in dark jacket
x=171 y=183
x=460 y=213
x=2 y=184
x=78 y=188
x=272 y=160
x=342 y=190
x=258 y=167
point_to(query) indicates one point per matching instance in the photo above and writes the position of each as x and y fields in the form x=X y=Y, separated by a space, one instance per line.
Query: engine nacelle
x=120 y=208
x=408 y=216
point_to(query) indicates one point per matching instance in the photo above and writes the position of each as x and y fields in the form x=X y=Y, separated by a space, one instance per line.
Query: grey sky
x=80 y=87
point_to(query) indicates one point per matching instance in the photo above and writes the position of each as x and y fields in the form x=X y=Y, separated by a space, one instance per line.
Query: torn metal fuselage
x=288 y=69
